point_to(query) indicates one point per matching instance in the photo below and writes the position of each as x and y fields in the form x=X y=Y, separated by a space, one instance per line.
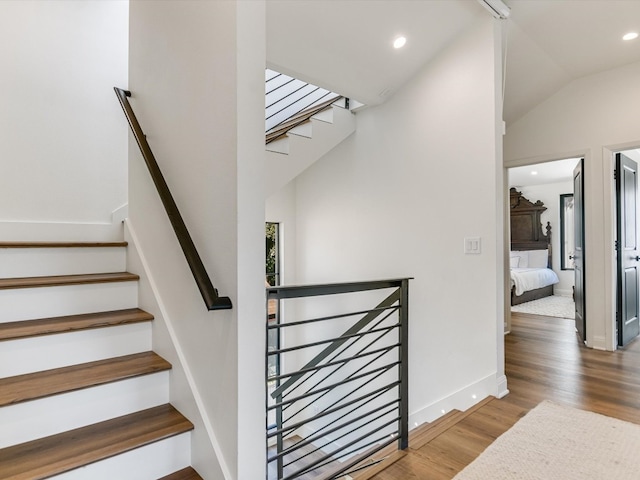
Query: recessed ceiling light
x=630 y=36
x=534 y=172
x=399 y=42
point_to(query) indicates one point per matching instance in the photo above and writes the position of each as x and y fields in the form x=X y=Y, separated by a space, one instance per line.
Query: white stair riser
x=325 y=115
x=146 y=463
x=302 y=130
x=33 y=262
x=281 y=146
x=293 y=154
x=47 y=416
x=22 y=231
x=44 y=302
x=61 y=350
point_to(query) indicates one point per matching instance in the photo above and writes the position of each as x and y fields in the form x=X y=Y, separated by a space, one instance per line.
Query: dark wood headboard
x=526 y=226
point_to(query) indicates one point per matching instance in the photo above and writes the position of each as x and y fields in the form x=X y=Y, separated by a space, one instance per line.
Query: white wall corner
x=599 y=343
x=461 y=400
x=120 y=214
x=501 y=386
x=145 y=275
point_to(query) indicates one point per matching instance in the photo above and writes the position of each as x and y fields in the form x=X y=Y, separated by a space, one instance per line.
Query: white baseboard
x=12 y=231
x=502 y=390
x=462 y=400
x=563 y=293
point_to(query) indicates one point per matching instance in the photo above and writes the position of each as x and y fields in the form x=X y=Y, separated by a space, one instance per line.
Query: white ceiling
x=551 y=172
x=345 y=45
x=545 y=173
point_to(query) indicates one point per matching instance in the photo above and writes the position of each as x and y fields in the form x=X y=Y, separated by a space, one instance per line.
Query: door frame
x=611 y=268
x=507 y=241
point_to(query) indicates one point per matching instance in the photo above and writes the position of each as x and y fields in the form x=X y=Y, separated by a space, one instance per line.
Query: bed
x=530 y=255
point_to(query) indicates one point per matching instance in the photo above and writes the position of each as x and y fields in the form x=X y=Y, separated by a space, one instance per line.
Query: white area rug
x=553 y=306
x=553 y=442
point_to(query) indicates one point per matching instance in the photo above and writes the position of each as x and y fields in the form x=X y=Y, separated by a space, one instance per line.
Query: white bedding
x=526 y=279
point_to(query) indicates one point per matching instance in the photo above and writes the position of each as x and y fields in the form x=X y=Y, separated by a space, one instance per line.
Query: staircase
x=82 y=396
x=303 y=122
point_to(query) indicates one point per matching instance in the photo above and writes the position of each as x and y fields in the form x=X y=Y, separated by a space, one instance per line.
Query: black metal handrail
x=350 y=400
x=209 y=293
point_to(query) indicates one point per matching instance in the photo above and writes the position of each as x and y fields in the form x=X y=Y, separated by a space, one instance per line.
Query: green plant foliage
x=271 y=231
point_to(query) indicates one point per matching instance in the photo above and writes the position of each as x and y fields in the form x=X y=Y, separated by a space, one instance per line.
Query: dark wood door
x=578 y=255
x=627 y=249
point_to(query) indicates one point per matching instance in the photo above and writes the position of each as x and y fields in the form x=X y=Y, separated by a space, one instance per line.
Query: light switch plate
x=472 y=245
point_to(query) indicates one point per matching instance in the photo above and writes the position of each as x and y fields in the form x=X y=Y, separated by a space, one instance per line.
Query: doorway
x=627 y=247
x=550 y=185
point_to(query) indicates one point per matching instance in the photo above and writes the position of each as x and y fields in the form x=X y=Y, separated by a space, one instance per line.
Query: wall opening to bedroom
x=542 y=279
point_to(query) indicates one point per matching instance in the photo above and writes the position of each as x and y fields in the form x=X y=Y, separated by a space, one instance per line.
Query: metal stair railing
x=339 y=395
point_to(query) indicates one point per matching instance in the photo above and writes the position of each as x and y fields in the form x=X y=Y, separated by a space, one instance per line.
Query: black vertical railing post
x=279 y=419
x=403 y=439
x=267 y=376
x=279 y=438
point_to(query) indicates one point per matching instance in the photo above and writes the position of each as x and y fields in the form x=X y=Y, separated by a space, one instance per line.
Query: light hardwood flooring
x=309 y=454
x=544 y=361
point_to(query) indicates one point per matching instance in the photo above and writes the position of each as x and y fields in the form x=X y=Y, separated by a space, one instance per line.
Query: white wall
x=590 y=117
x=549 y=194
x=397 y=198
x=64 y=143
x=197 y=78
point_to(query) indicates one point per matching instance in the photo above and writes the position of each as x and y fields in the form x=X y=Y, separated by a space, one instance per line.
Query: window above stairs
x=286 y=96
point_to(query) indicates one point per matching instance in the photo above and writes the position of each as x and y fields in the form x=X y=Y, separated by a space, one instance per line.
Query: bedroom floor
x=553 y=306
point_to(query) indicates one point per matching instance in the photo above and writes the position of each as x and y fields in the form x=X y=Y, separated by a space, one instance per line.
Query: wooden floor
x=544 y=361
x=308 y=453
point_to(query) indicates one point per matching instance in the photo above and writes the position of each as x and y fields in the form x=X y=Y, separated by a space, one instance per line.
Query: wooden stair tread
x=298 y=119
x=304 y=114
x=70 y=323
x=65 y=451
x=61 y=244
x=427 y=432
x=307 y=112
x=59 y=280
x=184 y=474
x=417 y=438
x=35 y=385
x=370 y=470
x=442 y=424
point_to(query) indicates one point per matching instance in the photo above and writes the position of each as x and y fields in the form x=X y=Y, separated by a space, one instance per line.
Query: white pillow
x=538 y=258
x=514 y=262
x=523 y=258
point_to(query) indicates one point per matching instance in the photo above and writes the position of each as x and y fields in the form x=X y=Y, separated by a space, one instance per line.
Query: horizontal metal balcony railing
x=337 y=376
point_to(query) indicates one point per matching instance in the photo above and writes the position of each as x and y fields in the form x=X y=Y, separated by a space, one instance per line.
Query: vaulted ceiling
x=345 y=45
